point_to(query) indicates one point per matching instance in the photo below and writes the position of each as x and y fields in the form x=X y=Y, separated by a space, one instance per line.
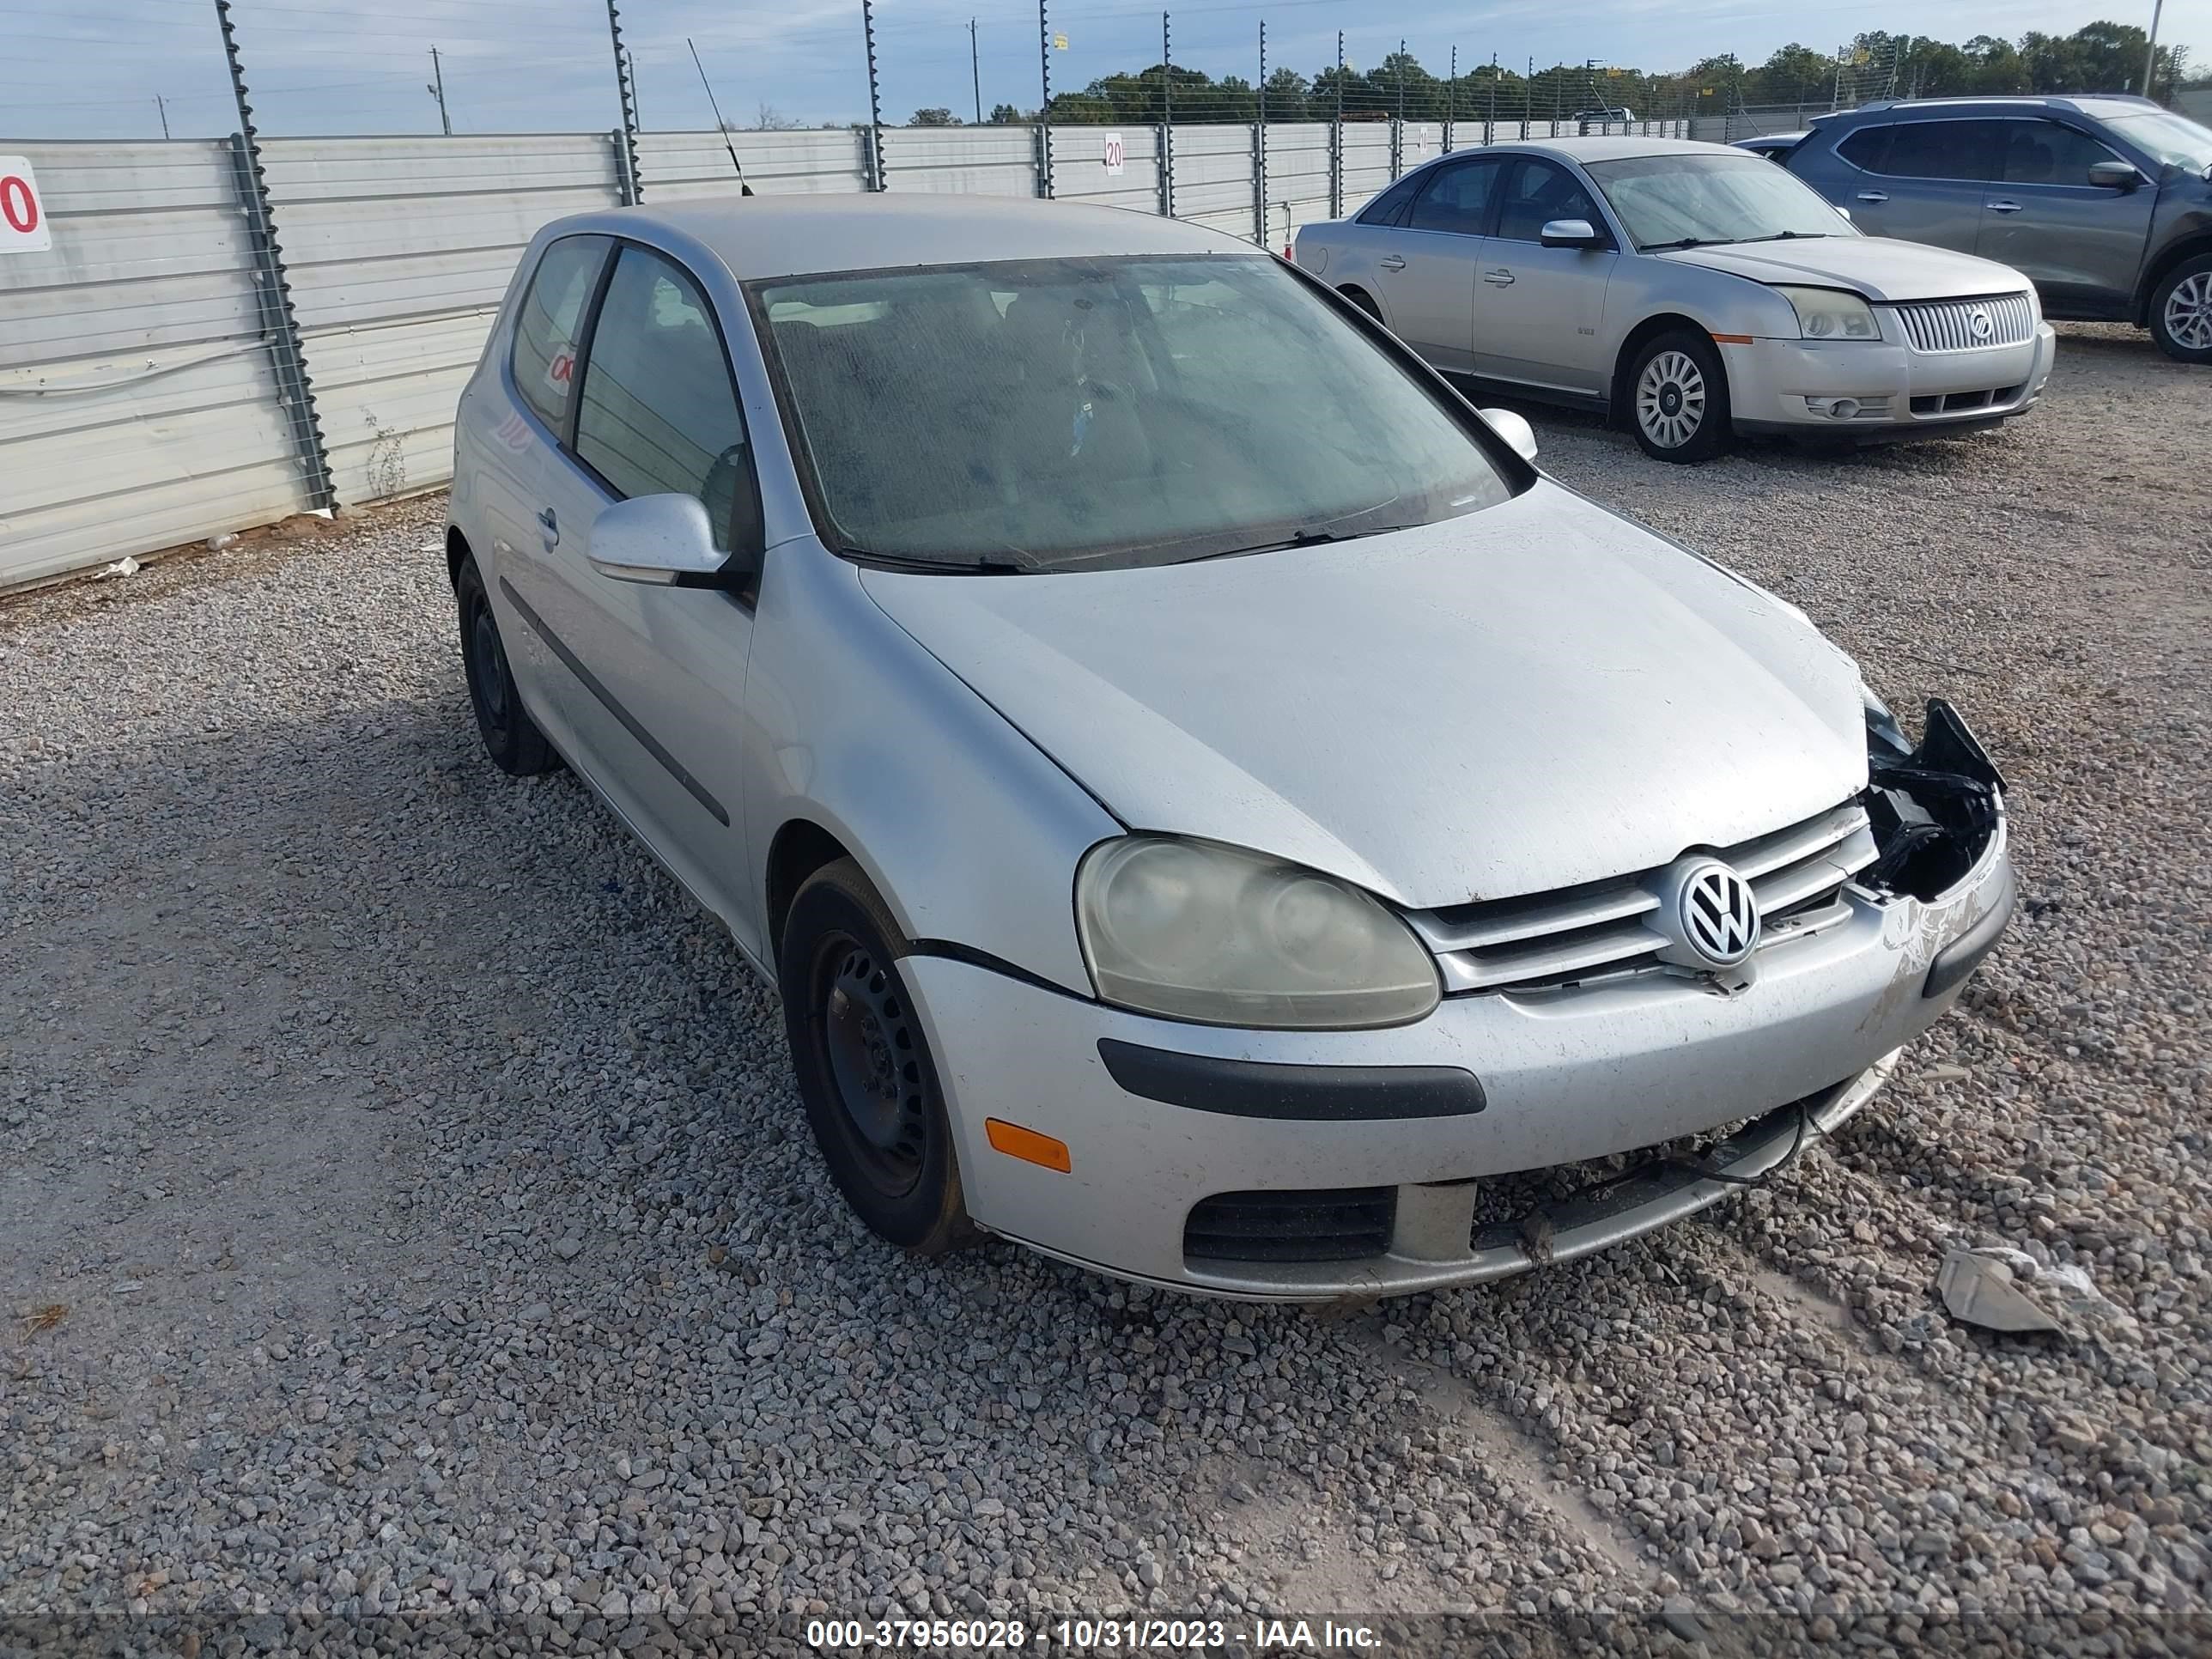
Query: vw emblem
x=1978 y=322
x=1716 y=913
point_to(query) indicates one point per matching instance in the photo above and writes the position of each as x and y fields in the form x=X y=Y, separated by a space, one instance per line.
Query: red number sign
x=23 y=227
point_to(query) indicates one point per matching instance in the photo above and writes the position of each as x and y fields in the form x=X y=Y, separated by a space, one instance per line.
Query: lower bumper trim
x=1311 y=1094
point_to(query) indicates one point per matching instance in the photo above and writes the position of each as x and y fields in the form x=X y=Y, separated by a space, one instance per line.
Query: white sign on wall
x=1115 y=156
x=23 y=227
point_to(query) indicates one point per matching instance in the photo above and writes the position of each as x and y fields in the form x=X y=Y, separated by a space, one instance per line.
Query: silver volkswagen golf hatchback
x=1212 y=809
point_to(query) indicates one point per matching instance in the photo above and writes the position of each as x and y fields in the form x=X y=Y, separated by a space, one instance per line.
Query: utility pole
x=632 y=190
x=1044 y=110
x=875 y=100
x=2150 y=57
x=975 y=71
x=437 y=90
x=162 y=103
x=1167 y=122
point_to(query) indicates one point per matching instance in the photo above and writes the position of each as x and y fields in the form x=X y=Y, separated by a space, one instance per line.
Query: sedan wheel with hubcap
x=1678 y=398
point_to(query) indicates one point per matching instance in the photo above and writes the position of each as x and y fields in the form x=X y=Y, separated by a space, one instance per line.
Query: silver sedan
x=1213 y=811
x=1690 y=290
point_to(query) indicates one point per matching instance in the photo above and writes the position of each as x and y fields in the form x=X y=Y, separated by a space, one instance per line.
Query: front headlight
x=1829 y=314
x=1198 y=931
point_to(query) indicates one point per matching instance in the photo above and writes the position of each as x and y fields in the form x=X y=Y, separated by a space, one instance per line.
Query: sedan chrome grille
x=2007 y=319
x=1602 y=929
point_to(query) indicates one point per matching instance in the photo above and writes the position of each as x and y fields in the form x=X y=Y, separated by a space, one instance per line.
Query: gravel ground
x=404 y=1212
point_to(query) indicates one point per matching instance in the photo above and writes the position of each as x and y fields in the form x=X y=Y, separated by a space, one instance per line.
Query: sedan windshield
x=1694 y=201
x=2175 y=139
x=1100 y=413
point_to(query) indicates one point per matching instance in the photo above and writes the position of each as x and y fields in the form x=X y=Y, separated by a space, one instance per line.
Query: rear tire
x=510 y=737
x=1365 y=302
x=2181 y=312
x=1677 y=398
x=864 y=1072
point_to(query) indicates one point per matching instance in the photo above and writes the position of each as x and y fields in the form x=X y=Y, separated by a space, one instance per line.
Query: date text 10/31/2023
x=1087 y=1635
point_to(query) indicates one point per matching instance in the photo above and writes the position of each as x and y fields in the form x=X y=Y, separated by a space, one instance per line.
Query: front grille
x=1573 y=935
x=1331 y=1223
x=1948 y=324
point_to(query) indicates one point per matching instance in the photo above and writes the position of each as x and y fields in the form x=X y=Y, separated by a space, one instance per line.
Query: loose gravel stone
x=411 y=1234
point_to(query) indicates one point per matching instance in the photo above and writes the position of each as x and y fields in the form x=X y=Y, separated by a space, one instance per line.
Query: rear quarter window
x=544 y=357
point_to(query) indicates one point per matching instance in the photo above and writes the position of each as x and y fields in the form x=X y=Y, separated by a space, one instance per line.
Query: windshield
x=2172 y=138
x=1689 y=201
x=1103 y=413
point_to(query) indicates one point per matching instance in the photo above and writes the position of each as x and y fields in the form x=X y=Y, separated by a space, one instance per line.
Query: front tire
x=864 y=1072
x=2181 y=312
x=510 y=737
x=1678 y=397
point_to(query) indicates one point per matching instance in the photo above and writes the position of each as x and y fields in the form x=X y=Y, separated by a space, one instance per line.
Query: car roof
x=758 y=236
x=1603 y=149
x=2102 y=106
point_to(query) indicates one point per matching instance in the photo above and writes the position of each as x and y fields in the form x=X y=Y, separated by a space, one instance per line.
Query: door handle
x=1873 y=195
x=1391 y=262
x=2002 y=207
x=551 y=525
x=1499 y=278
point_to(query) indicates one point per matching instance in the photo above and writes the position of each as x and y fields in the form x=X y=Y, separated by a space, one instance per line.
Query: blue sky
x=93 y=68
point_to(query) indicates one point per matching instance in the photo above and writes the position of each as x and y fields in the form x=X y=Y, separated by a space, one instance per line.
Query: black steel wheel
x=863 y=1063
x=510 y=737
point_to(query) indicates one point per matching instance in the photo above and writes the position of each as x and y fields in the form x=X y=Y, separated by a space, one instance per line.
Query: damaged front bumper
x=1311 y=1165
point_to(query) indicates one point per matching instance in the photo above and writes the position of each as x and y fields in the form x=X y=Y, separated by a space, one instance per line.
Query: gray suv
x=2105 y=203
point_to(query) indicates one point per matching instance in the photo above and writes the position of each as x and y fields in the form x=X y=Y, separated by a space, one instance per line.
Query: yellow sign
x=1060 y=43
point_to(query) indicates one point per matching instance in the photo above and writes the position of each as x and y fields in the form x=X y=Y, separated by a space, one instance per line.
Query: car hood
x=1878 y=267
x=1529 y=696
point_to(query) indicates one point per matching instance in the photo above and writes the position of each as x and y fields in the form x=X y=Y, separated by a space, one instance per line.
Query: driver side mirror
x=1569 y=233
x=665 y=541
x=2115 y=175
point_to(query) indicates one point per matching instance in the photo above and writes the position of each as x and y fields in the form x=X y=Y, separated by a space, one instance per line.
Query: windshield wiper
x=1791 y=236
x=1311 y=537
x=1683 y=242
x=939 y=566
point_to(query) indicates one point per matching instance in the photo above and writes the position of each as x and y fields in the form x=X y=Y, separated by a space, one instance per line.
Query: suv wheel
x=2181 y=312
x=865 y=1072
x=1678 y=400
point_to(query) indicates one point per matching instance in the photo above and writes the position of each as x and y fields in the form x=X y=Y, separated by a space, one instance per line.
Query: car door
x=2080 y=244
x=1923 y=181
x=1540 y=311
x=511 y=448
x=656 y=674
x=1427 y=270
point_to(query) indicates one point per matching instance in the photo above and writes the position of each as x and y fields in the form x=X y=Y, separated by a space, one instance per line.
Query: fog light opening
x=1844 y=409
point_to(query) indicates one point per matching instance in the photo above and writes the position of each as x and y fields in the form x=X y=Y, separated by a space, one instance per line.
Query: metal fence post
x=1398 y=121
x=875 y=100
x=1259 y=147
x=625 y=182
x=1167 y=123
x=1336 y=140
x=1044 y=110
x=1451 y=98
x=626 y=93
x=1490 y=117
x=280 y=321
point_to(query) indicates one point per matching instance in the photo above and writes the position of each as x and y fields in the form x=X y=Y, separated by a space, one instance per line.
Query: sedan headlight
x=1829 y=314
x=1195 y=930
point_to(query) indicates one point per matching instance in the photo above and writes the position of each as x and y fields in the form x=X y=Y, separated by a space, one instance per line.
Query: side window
x=1390 y=207
x=659 y=413
x=552 y=317
x=1945 y=149
x=2044 y=153
x=1537 y=192
x=1458 y=198
x=1867 y=148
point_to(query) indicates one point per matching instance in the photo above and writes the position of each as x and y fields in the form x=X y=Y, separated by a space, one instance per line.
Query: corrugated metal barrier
x=138 y=406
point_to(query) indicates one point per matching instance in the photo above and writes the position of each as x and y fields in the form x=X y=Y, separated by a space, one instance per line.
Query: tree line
x=2102 y=57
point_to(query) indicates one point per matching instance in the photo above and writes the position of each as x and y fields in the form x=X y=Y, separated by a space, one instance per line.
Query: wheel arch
x=800 y=847
x=457 y=548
